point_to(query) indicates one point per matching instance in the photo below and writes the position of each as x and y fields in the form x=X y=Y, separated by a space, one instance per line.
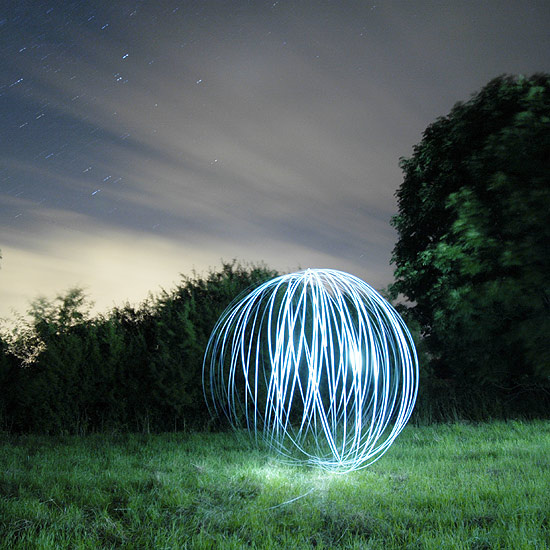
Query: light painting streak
x=317 y=365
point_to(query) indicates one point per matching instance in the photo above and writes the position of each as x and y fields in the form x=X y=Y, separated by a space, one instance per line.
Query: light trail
x=317 y=365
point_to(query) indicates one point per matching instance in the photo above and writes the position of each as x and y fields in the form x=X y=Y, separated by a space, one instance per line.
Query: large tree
x=473 y=254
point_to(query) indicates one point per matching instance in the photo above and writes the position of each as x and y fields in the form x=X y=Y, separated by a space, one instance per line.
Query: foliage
x=63 y=371
x=473 y=255
x=458 y=486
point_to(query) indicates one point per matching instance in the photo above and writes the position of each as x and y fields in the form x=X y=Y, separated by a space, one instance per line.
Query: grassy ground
x=448 y=486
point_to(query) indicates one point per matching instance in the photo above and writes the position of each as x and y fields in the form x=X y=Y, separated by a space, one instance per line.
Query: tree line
x=472 y=281
x=134 y=369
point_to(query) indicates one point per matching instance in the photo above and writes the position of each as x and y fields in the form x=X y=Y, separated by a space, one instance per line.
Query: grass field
x=463 y=486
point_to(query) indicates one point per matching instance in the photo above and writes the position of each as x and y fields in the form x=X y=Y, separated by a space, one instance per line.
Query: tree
x=48 y=381
x=184 y=320
x=63 y=371
x=473 y=253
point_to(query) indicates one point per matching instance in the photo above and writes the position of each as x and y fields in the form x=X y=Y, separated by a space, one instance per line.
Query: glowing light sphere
x=317 y=365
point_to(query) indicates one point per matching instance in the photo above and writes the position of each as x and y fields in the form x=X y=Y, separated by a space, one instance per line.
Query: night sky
x=141 y=140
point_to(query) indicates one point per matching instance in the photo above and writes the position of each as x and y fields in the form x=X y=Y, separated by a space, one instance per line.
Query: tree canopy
x=473 y=250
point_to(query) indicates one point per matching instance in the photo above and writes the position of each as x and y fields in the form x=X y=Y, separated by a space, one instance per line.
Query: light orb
x=317 y=365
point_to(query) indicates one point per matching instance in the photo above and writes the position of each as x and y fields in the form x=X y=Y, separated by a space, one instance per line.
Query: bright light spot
x=317 y=365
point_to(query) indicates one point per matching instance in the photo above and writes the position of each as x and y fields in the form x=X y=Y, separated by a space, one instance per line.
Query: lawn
x=468 y=486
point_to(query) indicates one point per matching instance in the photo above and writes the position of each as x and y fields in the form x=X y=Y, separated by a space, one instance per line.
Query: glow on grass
x=317 y=365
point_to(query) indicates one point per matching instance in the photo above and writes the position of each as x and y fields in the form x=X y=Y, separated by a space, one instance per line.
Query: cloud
x=115 y=266
x=271 y=156
x=143 y=143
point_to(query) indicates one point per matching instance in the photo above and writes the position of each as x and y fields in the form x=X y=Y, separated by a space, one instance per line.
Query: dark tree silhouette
x=473 y=254
x=62 y=370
